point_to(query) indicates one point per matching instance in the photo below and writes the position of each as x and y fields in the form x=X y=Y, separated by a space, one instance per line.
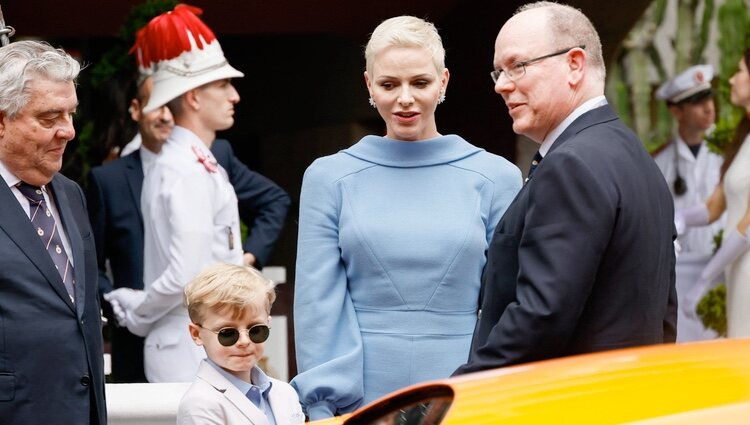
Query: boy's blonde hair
x=228 y=287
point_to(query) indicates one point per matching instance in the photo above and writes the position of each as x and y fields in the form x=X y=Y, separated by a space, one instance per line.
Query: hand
x=127 y=319
x=248 y=259
x=126 y=298
x=118 y=311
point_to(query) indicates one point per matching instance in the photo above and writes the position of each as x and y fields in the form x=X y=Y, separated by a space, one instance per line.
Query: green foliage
x=712 y=310
x=617 y=92
x=114 y=64
x=629 y=75
x=733 y=39
x=733 y=19
x=723 y=132
x=718 y=239
x=141 y=14
x=701 y=38
x=117 y=60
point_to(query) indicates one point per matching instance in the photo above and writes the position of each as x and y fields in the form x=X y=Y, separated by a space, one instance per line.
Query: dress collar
x=397 y=153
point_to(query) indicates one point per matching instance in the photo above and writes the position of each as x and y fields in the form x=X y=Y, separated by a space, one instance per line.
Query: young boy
x=229 y=308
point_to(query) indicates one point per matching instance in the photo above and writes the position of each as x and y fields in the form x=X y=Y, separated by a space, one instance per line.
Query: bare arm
x=717 y=204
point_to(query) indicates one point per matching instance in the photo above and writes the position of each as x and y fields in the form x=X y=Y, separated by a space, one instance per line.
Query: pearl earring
x=372 y=102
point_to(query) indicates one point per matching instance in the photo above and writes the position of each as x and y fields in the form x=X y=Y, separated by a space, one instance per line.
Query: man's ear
x=577 y=61
x=676 y=112
x=195 y=333
x=192 y=100
x=135 y=109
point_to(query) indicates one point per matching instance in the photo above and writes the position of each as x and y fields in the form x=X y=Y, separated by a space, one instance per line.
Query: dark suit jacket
x=583 y=258
x=114 y=196
x=262 y=203
x=51 y=367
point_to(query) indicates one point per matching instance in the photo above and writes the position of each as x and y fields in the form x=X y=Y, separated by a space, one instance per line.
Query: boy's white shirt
x=213 y=399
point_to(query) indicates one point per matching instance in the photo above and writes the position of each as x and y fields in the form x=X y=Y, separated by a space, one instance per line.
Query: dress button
x=85 y=380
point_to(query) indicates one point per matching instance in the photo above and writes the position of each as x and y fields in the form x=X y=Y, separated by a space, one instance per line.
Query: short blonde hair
x=228 y=287
x=405 y=31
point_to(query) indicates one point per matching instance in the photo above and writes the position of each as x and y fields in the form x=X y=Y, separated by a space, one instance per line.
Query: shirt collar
x=10 y=178
x=683 y=150
x=586 y=106
x=147 y=157
x=258 y=378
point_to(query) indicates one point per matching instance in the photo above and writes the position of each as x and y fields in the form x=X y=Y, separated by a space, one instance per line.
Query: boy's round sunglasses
x=229 y=336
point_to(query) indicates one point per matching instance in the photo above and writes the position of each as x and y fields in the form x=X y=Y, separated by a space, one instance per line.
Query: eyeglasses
x=229 y=336
x=518 y=69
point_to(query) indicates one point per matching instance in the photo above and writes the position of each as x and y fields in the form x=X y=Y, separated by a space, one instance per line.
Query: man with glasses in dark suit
x=583 y=260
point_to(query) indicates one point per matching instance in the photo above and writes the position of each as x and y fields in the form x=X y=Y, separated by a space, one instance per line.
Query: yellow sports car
x=698 y=383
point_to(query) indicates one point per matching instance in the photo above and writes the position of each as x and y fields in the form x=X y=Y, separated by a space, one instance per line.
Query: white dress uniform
x=701 y=176
x=191 y=221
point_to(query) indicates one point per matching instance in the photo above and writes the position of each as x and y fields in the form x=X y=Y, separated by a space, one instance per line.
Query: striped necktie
x=46 y=228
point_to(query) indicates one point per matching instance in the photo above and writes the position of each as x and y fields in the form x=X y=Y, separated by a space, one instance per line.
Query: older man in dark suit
x=114 y=197
x=50 y=329
x=583 y=259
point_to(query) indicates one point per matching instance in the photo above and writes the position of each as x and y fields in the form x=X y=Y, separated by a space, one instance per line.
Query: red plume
x=166 y=36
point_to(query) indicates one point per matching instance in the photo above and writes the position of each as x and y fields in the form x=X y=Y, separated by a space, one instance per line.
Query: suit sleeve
x=327 y=334
x=98 y=218
x=262 y=203
x=568 y=224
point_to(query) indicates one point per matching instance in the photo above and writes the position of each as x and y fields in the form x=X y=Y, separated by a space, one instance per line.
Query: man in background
x=692 y=172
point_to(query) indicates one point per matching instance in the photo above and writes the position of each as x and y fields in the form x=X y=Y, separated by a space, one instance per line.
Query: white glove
x=733 y=246
x=695 y=215
x=127 y=298
x=124 y=300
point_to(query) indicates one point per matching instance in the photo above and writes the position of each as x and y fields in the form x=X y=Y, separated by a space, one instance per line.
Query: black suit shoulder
x=116 y=167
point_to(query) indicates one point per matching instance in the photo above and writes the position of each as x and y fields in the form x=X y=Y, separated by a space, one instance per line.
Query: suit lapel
x=232 y=394
x=134 y=176
x=74 y=238
x=16 y=224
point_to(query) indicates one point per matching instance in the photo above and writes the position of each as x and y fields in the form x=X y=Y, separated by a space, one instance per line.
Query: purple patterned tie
x=46 y=228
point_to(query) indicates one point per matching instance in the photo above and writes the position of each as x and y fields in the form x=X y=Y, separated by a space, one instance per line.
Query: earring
x=372 y=102
x=441 y=99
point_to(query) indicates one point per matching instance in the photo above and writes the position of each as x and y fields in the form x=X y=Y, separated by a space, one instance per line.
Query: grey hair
x=23 y=61
x=570 y=27
x=405 y=31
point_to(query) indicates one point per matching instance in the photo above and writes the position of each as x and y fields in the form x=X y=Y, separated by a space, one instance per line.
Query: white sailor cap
x=692 y=81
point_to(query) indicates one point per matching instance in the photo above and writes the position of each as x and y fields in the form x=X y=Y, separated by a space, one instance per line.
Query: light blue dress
x=392 y=243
